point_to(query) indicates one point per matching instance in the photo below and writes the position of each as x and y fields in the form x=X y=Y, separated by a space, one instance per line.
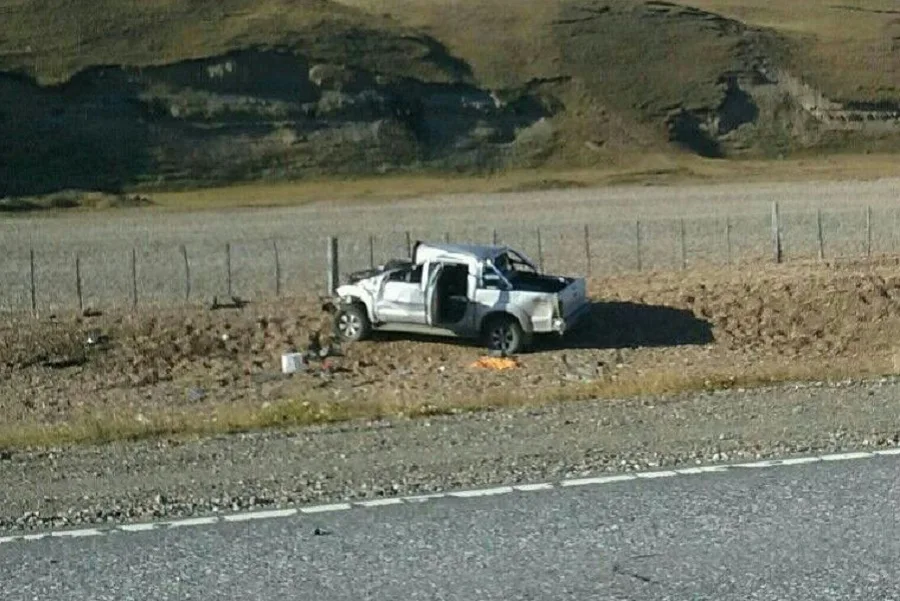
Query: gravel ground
x=145 y=481
x=644 y=331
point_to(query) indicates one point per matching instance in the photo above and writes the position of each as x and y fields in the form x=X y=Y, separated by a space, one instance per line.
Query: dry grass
x=845 y=48
x=57 y=38
x=92 y=429
x=639 y=170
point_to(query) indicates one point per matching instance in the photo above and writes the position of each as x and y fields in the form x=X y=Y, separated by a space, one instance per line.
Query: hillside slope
x=100 y=94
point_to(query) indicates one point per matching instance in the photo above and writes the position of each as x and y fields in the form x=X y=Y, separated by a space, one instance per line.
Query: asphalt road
x=826 y=530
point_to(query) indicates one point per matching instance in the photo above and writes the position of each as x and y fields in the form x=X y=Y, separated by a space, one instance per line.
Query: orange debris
x=498 y=363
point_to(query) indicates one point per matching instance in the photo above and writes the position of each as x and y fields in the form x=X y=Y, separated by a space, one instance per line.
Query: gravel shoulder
x=126 y=482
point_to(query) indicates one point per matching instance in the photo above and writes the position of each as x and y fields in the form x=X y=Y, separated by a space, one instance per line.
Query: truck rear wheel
x=504 y=334
x=352 y=323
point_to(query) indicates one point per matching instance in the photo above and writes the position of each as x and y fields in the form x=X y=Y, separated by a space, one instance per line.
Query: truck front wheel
x=352 y=322
x=504 y=334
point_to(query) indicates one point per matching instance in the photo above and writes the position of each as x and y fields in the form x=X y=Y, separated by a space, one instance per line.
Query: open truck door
x=432 y=298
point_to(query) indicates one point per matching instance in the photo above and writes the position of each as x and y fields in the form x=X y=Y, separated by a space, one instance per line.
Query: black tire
x=504 y=334
x=351 y=323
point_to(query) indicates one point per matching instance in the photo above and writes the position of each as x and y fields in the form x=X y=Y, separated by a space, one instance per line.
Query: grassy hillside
x=575 y=84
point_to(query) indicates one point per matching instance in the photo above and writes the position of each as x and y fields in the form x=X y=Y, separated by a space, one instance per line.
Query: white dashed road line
x=260 y=515
x=325 y=508
x=461 y=494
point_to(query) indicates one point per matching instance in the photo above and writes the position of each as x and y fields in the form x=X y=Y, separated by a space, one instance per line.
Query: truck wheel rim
x=501 y=338
x=349 y=325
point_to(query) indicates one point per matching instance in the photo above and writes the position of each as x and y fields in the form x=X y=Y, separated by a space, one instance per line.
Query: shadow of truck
x=609 y=325
x=622 y=324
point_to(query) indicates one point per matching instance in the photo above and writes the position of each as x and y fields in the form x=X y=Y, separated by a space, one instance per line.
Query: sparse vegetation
x=234 y=418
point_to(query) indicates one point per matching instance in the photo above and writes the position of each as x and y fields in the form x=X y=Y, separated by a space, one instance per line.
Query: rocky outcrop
x=245 y=115
x=774 y=111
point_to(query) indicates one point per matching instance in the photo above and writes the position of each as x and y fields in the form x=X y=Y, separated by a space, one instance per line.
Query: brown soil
x=773 y=322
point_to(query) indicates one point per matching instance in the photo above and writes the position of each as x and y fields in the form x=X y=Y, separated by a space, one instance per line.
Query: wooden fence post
x=728 y=239
x=683 y=245
x=540 y=250
x=776 y=234
x=134 y=286
x=78 y=283
x=33 y=291
x=587 y=248
x=277 y=268
x=446 y=237
x=332 y=256
x=637 y=239
x=371 y=251
x=868 y=232
x=820 y=238
x=228 y=267
x=408 y=244
x=494 y=237
x=187 y=273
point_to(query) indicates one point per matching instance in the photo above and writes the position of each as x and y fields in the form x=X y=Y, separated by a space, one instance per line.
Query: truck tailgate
x=573 y=297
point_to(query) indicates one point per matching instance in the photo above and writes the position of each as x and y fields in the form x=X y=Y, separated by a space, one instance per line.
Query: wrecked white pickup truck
x=467 y=291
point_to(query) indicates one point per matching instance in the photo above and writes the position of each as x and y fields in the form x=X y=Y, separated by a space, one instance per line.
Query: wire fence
x=152 y=276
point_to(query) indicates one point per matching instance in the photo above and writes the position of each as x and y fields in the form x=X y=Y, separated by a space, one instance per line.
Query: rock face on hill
x=250 y=114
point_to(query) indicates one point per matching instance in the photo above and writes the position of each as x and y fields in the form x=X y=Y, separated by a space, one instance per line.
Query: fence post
x=587 y=248
x=894 y=233
x=332 y=256
x=637 y=239
x=494 y=236
x=277 y=268
x=540 y=250
x=776 y=234
x=33 y=291
x=228 y=267
x=134 y=287
x=728 y=238
x=371 y=251
x=820 y=238
x=408 y=244
x=446 y=237
x=187 y=273
x=868 y=232
x=683 y=244
x=78 y=283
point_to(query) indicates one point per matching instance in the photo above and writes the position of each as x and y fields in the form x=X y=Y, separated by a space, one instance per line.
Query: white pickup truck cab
x=467 y=291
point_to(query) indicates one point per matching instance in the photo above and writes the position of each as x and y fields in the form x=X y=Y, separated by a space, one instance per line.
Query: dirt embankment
x=648 y=333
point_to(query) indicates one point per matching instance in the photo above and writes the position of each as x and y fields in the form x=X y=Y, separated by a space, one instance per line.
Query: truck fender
x=350 y=293
x=519 y=316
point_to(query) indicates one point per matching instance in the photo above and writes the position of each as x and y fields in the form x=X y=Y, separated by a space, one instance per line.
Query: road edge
x=457 y=494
